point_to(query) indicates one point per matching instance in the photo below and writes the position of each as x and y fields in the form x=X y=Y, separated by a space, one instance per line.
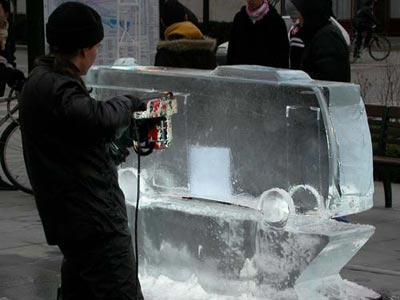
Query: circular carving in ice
x=275 y=206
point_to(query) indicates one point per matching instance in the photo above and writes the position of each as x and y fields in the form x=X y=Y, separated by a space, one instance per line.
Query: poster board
x=131 y=28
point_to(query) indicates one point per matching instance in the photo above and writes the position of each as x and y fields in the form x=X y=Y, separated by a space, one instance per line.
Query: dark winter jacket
x=365 y=18
x=187 y=53
x=66 y=136
x=296 y=41
x=264 y=42
x=186 y=47
x=325 y=55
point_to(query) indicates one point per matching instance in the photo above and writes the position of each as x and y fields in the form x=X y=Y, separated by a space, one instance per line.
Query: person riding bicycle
x=364 y=23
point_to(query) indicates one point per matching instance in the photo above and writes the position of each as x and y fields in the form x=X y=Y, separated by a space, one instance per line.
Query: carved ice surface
x=203 y=178
x=241 y=205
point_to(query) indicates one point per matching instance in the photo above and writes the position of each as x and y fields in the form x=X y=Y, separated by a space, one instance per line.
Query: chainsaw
x=153 y=126
x=151 y=129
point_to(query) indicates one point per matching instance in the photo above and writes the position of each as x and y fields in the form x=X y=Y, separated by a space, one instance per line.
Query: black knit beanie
x=74 y=26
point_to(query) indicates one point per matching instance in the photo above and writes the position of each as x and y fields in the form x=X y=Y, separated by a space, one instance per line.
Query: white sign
x=131 y=28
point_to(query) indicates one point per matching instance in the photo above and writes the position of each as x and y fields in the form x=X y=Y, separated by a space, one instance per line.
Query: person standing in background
x=296 y=39
x=258 y=37
x=184 y=46
x=325 y=53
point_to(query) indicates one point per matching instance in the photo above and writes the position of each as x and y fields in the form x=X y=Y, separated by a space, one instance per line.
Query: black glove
x=15 y=78
x=118 y=152
x=119 y=147
x=137 y=104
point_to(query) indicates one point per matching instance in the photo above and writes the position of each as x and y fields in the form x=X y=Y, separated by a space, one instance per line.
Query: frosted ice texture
x=248 y=141
x=279 y=131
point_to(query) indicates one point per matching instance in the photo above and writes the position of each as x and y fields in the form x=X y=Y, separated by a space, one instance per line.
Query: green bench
x=384 y=123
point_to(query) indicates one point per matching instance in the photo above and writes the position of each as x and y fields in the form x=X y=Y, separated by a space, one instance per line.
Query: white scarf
x=259 y=13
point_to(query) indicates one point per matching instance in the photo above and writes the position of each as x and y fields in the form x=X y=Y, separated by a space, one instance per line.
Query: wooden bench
x=384 y=123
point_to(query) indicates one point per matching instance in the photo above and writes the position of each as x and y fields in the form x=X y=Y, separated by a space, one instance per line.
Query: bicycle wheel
x=12 y=159
x=380 y=48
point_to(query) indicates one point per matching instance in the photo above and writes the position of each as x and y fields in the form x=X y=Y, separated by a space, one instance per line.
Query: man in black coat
x=326 y=54
x=258 y=37
x=66 y=137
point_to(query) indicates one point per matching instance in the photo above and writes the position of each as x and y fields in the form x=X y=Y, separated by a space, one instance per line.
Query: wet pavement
x=377 y=265
x=29 y=268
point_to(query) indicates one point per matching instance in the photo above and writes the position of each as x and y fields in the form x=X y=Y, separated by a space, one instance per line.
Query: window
x=395 y=9
x=342 y=9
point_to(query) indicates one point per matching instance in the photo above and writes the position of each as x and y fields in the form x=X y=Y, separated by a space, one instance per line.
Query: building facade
x=387 y=11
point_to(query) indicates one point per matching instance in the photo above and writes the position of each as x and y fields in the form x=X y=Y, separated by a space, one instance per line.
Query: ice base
x=227 y=252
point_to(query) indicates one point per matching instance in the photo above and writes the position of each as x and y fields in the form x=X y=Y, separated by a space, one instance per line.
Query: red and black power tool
x=151 y=129
x=153 y=126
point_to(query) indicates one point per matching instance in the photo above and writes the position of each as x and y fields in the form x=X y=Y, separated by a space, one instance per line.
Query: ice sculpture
x=262 y=160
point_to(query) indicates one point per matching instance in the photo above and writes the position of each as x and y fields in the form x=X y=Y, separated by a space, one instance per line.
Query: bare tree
x=390 y=85
x=381 y=86
x=365 y=83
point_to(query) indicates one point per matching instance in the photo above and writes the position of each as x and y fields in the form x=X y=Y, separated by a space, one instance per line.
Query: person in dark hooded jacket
x=66 y=137
x=258 y=37
x=325 y=55
x=184 y=46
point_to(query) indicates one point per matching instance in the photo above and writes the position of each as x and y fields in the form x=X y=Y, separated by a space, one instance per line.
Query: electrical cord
x=137 y=204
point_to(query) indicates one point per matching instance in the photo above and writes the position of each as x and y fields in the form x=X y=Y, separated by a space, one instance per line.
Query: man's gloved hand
x=139 y=128
x=137 y=104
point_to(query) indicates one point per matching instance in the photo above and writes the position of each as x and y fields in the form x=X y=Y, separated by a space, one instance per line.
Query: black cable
x=137 y=204
x=136 y=218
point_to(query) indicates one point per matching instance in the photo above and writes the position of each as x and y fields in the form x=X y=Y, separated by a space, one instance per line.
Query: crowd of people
x=66 y=133
x=316 y=44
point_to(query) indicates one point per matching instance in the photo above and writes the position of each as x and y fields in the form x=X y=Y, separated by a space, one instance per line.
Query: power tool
x=150 y=129
x=153 y=126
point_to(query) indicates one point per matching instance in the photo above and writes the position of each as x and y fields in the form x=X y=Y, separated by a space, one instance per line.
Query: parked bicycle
x=11 y=155
x=379 y=48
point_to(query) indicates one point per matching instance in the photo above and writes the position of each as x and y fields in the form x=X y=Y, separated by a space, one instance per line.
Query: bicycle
x=379 y=48
x=11 y=155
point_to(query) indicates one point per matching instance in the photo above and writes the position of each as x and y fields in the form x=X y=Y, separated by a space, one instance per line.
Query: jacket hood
x=316 y=13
